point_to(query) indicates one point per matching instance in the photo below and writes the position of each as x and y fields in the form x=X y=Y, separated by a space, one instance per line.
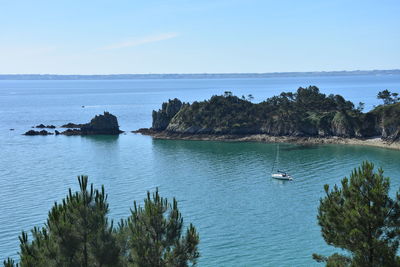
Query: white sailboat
x=279 y=174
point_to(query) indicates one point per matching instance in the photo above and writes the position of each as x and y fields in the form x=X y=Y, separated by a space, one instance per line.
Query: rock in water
x=72 y=125
x=72 y=132
x=45 y=126
x=102 y=124
x=42 y=132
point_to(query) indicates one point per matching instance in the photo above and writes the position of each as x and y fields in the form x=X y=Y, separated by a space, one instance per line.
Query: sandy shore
x=376 y=141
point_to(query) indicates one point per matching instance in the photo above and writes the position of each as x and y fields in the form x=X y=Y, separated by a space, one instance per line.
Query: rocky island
x=105 y=124
x=42 y=126
x=42 y=132
x=306 y=116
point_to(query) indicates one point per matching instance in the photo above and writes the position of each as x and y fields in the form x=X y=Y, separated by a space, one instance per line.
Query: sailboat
x=278 y=174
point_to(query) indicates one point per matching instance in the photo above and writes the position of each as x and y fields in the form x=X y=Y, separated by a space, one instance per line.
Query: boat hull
x=280 y=176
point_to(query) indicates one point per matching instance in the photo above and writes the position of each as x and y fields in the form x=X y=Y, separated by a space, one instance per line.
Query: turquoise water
x=244 y=218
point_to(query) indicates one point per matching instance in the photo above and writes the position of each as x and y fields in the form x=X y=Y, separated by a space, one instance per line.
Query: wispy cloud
x=141 y=41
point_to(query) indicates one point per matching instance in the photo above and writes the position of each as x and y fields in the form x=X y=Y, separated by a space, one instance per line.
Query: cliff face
x=163 y=116
x=342 y=125
x=387 y=121
x=305 y=113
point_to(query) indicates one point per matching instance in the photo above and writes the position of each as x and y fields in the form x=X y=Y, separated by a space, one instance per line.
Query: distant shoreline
x=196 y=75
x=264 y=138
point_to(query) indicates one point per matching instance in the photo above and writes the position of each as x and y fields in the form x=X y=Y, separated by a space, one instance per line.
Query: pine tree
x=155 y=237
x=388 y=97
x=362 y=219
x=77 y=233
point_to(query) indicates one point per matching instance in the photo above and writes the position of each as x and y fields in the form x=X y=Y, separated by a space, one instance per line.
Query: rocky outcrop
x=391 y=133
x=385 y=121
x=163 y=116
x=369 y=125
x=341 y=125
x=375 y=142
x=105 y=124
x=389 y=129
x=102 y=124
x=41 y=126
x=70 y=132
x=33 y=132
x=72 y=125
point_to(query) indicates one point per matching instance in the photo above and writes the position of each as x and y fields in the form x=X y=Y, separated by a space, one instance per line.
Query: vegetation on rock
x=307 y=112
x=388 y=97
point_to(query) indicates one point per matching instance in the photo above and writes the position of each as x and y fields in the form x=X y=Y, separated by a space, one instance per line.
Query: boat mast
x=276 y=162
x=277 y=158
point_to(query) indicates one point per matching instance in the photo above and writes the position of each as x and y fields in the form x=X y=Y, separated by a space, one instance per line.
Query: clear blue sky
x=213 y=36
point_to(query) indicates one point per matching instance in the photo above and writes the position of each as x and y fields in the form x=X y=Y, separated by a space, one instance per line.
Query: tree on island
x=362 y=219
x=388 y=97
x=360 y=107
x=228 y=94
x=77 y=233
x=250 y=97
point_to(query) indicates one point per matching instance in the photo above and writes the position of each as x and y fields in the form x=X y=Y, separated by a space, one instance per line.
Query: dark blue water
x=224 y=189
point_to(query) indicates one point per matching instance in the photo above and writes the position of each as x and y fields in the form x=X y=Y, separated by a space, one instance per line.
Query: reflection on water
x=300 y=147
x=281 y=182
x=101 y=138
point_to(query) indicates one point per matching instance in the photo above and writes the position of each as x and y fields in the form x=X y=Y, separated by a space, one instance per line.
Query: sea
x=244 y=218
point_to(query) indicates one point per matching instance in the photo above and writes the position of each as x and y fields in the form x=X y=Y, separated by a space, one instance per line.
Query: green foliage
x=10 y=263
x=360 y=107
x=307 y=112
x=388 y=118
x=362 y=219
x=289 y=113
x=388 y=97
x=335 y=260
x=155 y=235
x=344 y=124
x=77 y=233
x=227 y=93
x=389 y=113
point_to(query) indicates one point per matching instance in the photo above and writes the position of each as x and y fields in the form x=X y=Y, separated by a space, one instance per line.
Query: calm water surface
x=244 y=218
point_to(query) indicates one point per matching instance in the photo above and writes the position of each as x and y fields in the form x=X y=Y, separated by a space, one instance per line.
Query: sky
x=205 y=36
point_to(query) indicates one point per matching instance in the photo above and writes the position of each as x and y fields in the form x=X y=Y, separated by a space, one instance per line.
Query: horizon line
x=201 y=73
